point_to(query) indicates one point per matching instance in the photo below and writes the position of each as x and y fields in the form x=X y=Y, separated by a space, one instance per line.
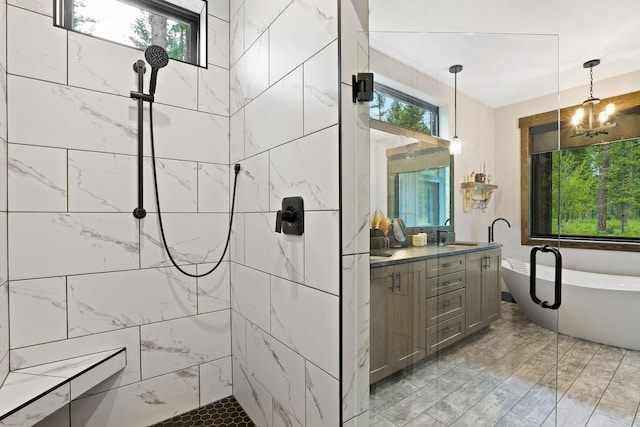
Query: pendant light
x=590 y=129
x=455 y=145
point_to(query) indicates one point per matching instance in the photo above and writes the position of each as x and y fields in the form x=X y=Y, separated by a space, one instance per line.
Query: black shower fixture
x=158 y=58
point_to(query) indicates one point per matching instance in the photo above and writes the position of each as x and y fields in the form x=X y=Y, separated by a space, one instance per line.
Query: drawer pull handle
x=451 y=283
x=450 y=264
x=447 y=303
x=446 y=331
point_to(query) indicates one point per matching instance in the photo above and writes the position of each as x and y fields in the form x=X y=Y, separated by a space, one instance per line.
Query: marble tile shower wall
x=285 y=289
x=84 y=275
x=4 y=284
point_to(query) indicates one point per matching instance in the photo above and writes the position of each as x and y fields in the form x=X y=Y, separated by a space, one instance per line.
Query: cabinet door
x=491 y=287
x=381 y=285
x=482 y=289
x=406 y=315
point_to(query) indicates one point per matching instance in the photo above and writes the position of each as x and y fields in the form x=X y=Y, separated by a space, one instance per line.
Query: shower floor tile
x=223 y=413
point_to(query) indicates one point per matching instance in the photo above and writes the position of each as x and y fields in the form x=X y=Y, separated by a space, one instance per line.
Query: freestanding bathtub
x=601 y=308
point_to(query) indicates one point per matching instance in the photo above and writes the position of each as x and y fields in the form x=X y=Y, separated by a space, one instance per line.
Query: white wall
x=285 y=289
x=85 y=275
x=507 y=154
x=475 y=128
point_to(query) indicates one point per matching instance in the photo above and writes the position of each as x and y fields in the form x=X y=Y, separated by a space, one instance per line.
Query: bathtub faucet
x=490 y=228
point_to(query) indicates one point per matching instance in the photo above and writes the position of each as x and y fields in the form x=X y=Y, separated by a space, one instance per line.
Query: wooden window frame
x=563 y=117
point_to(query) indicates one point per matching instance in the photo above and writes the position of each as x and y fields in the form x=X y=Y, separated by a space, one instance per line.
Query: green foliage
x=576 y=186
x=80 y=22
x=174 y=36
x=398 y=113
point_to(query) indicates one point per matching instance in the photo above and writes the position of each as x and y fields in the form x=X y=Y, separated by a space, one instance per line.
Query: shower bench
x=29 y=395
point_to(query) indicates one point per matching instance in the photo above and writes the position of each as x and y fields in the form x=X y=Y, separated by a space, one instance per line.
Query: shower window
x=178 y=26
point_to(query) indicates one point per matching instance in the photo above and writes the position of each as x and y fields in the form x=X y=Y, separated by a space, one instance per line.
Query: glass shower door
x=444 y=346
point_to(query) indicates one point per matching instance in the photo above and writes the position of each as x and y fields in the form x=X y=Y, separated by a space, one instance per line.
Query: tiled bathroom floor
x=505 y=376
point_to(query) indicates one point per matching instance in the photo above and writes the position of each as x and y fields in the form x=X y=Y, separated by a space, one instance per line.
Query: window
x=392 y=106
x=180 y=29
x=587 y=192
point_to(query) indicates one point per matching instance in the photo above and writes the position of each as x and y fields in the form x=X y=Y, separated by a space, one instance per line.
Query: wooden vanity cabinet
x=482 y=289
x=397 y=322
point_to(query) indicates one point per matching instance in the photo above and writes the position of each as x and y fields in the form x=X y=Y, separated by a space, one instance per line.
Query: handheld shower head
x=158 y=58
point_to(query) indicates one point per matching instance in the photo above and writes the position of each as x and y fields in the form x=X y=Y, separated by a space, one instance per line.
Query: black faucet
x=442 y=237
x=490 y=228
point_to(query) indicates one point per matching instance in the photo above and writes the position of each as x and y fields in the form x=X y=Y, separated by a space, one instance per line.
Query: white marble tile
x=214 y=291
x=276 y=116
x=289 y=41
x=60 y=418
x=239 y=337
x=177 y=185
x=236 y=137
x=4 y=259
x=250 y=293
x=362 y=420
x=192 y=238
x=44 y=7
x=321 y=90
x=313 y=175
x=177 y=84
x=279 y=254
x=177 y=344
x=101 y=122
x=187 y=135
x=89 y=379
x=355 y=335
x=41 y=53
x=282 y=417
x=234 y=6
x=354 y=37
x=142 y=403
x=296 y=310
x=236 y=246
x=253 y=398
x=213 y=90
x=215 y=380
x=37 y=178
x=102 y=182
x=236 y=35
x=58 y=350
x=213 y=188
x=280 y=370
x=355 y=185
x=322 y=402
x=249 y=76
x=259 y=15
x=218 y=46
x=71 y=244
x=3 y=38
x=322 y=250
x=3 y=96
x=253 y=184
x=47 y=298
x=14 y=389
x=4 y=330
x=219 y=9
x=115 y=300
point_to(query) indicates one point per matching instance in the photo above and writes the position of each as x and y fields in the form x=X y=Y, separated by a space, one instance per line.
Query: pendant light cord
x=455 y=104
x=155 y=184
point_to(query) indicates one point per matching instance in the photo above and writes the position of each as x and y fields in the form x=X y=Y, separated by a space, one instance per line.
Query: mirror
x=411 y=176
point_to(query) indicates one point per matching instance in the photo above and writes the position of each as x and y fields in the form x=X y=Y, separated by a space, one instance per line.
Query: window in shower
x=180 y=27
x=400 y=109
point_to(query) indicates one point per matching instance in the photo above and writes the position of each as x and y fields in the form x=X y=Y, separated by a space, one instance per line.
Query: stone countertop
x=420 y=253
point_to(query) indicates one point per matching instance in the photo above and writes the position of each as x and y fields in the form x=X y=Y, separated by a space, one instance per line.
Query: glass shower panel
x=445 y=347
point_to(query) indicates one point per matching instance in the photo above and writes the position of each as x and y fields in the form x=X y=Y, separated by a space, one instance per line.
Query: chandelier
x=588 y=127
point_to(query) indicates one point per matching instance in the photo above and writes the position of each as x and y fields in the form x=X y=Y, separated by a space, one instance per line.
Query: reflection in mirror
x=411 y=176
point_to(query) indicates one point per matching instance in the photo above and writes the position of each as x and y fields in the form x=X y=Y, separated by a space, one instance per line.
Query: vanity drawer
x=445 y=265
x=445 y=333
x=446 y=283
x=445 y=307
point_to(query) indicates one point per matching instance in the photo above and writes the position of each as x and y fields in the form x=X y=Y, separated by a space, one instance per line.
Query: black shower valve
x=290 y=219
